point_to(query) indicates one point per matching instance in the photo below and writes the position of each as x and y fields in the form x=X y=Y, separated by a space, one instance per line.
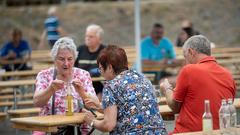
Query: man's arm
x=172 y=103
x=167 y=90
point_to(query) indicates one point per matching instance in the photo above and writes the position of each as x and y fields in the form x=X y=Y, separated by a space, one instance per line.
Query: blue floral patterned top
x=137 y=106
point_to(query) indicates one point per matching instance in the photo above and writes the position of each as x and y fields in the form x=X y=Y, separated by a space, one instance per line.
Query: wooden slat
x=4 y=97
x=14 y=83
x=19 y=103
x=23 y=112
x=51 y=120
x=35 y=128
x=2 y=116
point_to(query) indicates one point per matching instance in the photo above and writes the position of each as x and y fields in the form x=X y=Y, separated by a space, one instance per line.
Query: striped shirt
x=51 y=24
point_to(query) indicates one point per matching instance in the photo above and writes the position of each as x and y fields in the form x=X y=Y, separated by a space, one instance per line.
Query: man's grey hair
x=64 y=43
x=198 y=43
x=97 y=28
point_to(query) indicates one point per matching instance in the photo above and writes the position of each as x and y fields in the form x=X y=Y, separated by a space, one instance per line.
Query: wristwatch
x=92 y=124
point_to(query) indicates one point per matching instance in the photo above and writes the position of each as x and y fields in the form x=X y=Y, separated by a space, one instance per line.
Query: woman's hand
x=92 y=103
x=78 y=87
x=56 y=85
x=89 y=117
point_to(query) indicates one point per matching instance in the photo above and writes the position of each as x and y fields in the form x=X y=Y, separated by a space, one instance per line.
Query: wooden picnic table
x=48 y=123
x=162 y=66
x=20 y=73
x=23 y=112
x=214 y=132
x=15 y=84
x=236 y=102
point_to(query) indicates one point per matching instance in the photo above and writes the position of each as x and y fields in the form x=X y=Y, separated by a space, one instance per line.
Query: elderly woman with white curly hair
x=51 y=83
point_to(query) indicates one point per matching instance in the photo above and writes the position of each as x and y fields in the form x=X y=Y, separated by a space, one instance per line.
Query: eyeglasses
x=100 y=69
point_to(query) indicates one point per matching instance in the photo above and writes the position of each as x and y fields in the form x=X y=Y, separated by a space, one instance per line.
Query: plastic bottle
x=207 y=119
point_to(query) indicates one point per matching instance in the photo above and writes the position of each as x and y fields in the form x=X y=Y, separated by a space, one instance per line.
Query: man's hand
x=11 y=55
x=165 y=85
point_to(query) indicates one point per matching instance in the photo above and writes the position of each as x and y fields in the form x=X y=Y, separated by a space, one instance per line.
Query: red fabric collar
x=207 y=59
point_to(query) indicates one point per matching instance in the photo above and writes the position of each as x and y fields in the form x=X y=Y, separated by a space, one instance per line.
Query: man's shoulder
x=146 y=41
x=82 y=47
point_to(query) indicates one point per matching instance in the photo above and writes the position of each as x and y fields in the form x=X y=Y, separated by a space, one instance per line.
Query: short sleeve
x=42 y=82
x=4 y=50
x=108 y=98
x=144 y=50
x=171 y=50
x=182 y=85
x=57 y=22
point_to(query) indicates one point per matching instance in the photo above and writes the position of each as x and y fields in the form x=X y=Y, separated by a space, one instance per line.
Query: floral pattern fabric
x=138 y=111
x=44 y=79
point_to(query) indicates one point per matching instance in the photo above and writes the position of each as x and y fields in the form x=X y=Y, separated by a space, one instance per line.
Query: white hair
x=198 y=43
x=64 y=43
x=97 y=28
x=52 y=10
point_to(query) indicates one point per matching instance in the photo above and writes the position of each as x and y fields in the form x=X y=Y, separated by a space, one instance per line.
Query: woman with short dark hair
x=128 y=102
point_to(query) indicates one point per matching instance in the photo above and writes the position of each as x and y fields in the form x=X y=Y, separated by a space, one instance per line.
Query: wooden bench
x=11 y=97
x=2 y=116
x=6 y=91
x=23 y=112
x=19 y=103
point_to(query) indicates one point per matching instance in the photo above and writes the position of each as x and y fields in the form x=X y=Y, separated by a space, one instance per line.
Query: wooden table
x=2 y=116
x=47 y=123
x=236 y=102
x=20 y=73
x=14 y=83
x=215 y=132
x=23 y=112
x=162 y=66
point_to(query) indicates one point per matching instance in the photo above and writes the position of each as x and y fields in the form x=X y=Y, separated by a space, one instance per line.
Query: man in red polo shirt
x=202 y=78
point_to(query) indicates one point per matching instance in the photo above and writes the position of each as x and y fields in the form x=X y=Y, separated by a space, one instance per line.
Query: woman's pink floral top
x=45 y=78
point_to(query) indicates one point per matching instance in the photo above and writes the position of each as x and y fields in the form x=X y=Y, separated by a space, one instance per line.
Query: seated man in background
x=15 y=49
x=200 y=80
x=186 y=32
x=88 y=53
x=156 y=49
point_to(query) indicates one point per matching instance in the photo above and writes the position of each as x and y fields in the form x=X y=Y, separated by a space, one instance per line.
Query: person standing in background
x=88 y=53
x=53 y=31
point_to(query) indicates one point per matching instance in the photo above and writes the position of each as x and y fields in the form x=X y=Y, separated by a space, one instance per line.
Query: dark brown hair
x=16 y=32
x=115 y=56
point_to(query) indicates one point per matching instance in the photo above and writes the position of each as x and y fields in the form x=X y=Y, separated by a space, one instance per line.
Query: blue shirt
x=150 y=51
x=137 y=106
x=51 y=24
x=22 y=50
